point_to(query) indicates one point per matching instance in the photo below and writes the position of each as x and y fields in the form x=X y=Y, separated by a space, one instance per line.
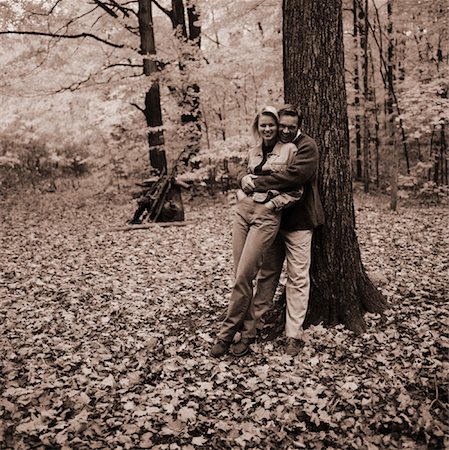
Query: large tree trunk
x=314 y=79
x=167 y=205
x=152 y=111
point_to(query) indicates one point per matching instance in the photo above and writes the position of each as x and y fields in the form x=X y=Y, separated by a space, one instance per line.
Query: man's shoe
x=220 y=348
x=242 y=347
x=294 y=346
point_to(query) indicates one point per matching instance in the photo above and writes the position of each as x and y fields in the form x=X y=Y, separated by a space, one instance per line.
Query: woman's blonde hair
x=266 y=111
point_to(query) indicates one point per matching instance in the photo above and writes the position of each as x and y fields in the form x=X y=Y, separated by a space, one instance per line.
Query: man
x=294 y=239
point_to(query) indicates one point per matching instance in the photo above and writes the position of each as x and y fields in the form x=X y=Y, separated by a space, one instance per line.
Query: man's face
x=288 y=128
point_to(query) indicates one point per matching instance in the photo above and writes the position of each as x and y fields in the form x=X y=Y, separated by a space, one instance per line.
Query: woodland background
x=66 y=101
x=105 y=335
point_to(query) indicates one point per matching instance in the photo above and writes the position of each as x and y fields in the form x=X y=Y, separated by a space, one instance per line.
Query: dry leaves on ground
x=105 y=337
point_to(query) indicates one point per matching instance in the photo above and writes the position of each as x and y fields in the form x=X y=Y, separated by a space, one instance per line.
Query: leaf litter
x=105 y=337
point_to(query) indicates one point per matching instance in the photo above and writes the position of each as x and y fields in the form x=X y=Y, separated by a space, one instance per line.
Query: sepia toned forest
x=124 y=126
x=76 y=79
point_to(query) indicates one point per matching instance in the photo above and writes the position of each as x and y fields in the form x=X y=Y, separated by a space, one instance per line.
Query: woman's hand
x=247 y=183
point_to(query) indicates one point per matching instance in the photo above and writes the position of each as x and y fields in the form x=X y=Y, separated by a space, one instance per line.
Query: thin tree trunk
x=431 y=151
x=377 y=138
x=394 y=178
x=445 y=155
x=366 y=100
x=391 y=95
x=314 y=79
x=356 y=81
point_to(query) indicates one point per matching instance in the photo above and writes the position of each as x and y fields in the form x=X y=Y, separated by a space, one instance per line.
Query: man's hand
x=247 y=183
x=240 y=195
x=270 y=205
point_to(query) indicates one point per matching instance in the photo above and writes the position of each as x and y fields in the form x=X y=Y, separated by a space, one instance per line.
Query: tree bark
x=341 y=291
x=189 y=92
x=152 y=111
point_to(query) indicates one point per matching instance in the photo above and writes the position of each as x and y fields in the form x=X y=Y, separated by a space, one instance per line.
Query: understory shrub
x=216 y=168
x=418 y=185
x=24 y=164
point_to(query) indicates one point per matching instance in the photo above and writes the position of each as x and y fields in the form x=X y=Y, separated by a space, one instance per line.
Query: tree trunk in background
x=438 y=151
x=390 y=75
x=152 y=111
x=377 y=139
x=357 y=121
x=189 y=93
x=314 y=80
x=394 y=178
x=392 y=101
x=443 y=155
x=366 y=100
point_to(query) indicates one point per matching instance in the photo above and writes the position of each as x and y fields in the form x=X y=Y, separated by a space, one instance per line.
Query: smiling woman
x=267 y=128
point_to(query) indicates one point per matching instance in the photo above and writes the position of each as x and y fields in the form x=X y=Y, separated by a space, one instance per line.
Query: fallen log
x=144 y=226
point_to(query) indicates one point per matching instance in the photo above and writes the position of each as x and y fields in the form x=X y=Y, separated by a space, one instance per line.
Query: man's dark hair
x=290 y=110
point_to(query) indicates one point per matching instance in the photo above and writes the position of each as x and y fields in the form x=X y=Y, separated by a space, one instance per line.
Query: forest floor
x=105 y=336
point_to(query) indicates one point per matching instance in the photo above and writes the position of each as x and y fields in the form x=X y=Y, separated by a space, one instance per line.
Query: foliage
x=33 y=162
x=418 y=185
x=105 y=337
x=221 y=164
x=431 y=192
x=112 y=80
x=420 y=77
x=81 y=91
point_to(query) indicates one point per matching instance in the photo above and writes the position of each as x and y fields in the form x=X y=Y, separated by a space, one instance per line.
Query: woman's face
x=267 y=128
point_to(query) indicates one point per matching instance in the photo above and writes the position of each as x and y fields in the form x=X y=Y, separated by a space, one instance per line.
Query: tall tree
x=152 y=111
x=314 y=79
x=117 y=24
x=185 y=22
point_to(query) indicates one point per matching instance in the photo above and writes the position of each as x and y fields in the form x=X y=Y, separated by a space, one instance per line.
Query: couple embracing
x=277 y=210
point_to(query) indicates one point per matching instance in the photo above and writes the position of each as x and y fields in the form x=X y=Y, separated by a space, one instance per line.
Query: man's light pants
x=296 y=247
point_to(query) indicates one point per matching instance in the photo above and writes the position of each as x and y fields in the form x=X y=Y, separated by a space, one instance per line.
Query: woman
x=256 y=224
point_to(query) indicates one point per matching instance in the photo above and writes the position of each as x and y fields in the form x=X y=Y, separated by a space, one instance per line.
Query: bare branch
x=71 y=21
x=65 y=36
x=138 y=107
x=122 y=65
x=74 y=86
x=106 y=8
x=210 y=39
x=47 y=13
x=90 y=80
x=132 y=30
x=54 y=6
x=164 y=10
x=125 y=11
